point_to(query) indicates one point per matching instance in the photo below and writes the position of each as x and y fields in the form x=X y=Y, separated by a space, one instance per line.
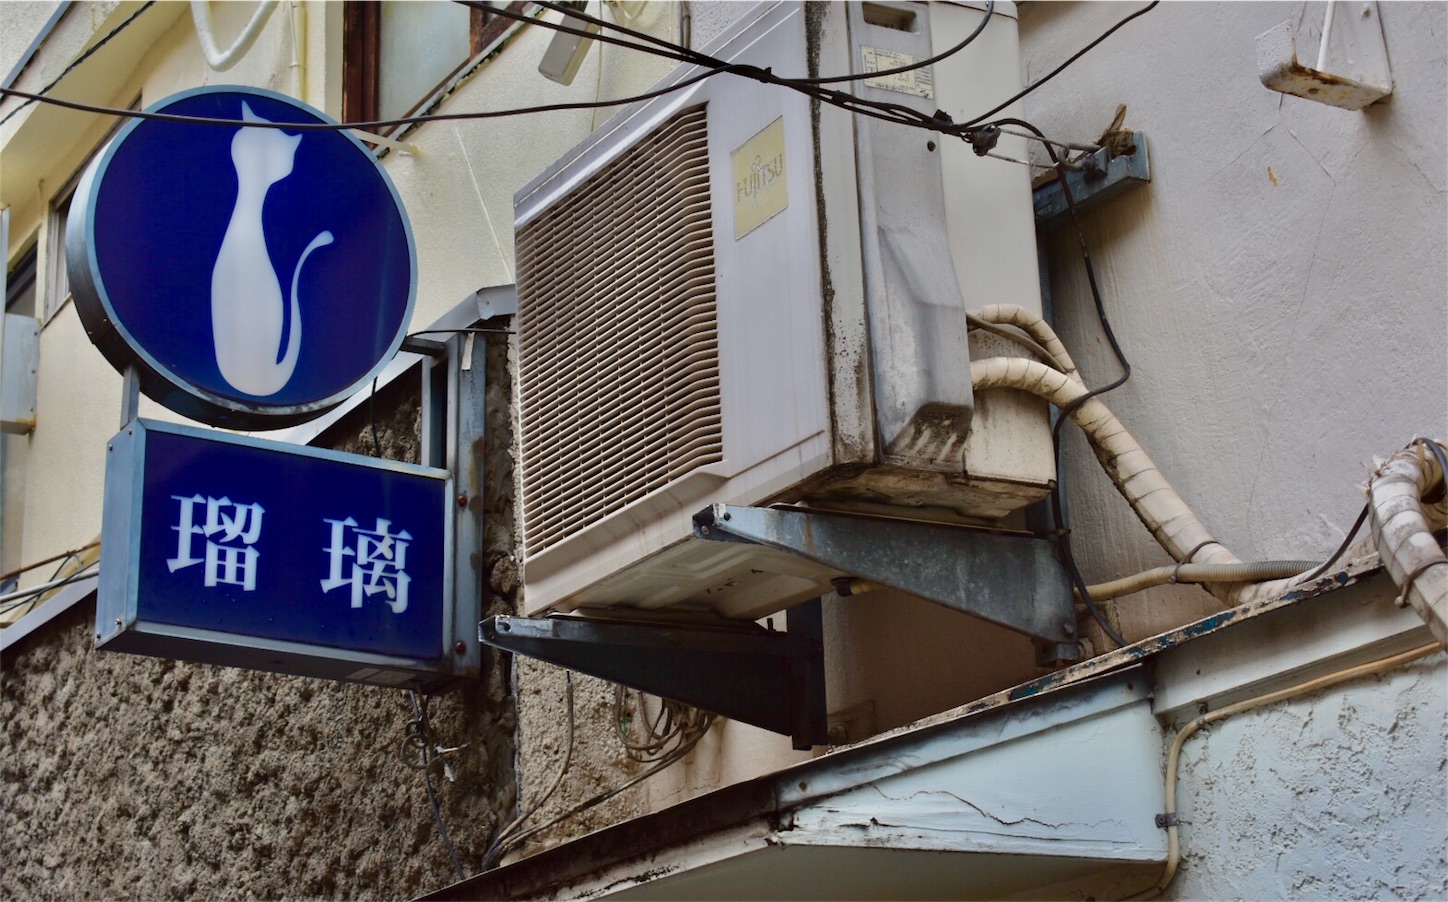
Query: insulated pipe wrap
x=1404 y=535
x=1032 y=325
x=1131 y=469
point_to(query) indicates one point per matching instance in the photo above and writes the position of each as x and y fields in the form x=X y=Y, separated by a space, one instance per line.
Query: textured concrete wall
x=1340 y=794
x=132 y=777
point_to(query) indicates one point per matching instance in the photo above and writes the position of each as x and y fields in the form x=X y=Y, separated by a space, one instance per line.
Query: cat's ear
x=248 y=116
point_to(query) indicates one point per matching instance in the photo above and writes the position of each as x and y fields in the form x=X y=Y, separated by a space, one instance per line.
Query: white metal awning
x=1014 y=799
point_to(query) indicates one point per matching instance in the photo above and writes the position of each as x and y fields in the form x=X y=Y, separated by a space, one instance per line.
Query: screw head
x=1068 y=628
x=460 y=647
x=462 y=499
x=703 y=530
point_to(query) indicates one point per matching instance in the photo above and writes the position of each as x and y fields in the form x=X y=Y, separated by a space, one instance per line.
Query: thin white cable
x=487 y=217
x=219 y=59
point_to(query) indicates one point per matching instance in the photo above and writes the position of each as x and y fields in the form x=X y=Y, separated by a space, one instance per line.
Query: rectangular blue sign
x=301 y=560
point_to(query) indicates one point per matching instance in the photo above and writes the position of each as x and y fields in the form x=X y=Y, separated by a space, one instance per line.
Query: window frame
x=361 y=58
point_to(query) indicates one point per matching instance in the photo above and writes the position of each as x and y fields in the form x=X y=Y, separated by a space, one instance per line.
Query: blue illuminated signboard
x=232 y=550
x=255 y=276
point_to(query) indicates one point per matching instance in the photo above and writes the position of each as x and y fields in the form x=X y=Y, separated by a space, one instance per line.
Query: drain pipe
x=218 y=59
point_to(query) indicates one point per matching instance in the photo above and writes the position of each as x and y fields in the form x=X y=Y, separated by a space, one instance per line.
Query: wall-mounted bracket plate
x=769 y=679
x=1014 y=580
x=1101 y=177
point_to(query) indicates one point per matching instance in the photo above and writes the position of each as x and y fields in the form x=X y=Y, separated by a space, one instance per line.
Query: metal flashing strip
x=47 y=610
x=818 y=808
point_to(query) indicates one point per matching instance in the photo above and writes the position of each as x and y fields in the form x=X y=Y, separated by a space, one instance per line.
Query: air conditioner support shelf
x=1014 y=580
x=761 y=677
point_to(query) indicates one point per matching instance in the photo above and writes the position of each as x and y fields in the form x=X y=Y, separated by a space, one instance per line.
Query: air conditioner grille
x=617 y=337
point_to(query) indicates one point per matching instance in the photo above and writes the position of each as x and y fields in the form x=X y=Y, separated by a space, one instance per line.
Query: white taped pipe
x=1032 y=325
x=1404 y=536
x=1400 y=518
x=219 y=59
x=1138 y=479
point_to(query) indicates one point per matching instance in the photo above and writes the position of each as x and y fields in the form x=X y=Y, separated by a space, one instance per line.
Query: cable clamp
x=1165 y=821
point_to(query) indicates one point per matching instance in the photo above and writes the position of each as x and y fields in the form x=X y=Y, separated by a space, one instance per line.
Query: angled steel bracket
x=769 y=679
x=1012 y=580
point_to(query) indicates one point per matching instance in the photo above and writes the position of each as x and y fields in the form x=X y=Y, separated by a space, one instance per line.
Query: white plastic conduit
x=1402 y=522
x=219 y=59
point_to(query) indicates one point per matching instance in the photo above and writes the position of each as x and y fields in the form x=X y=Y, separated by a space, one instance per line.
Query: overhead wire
x=896 y=113
x=1062 y=67
x=420 y=730
x=502 y=840
x=82 y=58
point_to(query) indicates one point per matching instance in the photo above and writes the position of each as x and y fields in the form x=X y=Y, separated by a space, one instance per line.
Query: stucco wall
x=1278 y=287
x=132 y=777
x=1340 y=794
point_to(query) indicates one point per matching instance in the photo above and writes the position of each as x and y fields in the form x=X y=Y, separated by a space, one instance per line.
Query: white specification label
x=919 y=82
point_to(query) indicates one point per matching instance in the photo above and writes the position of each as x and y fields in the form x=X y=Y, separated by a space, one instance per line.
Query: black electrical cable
x=1063 y=532
x=1341 y=549
x=343 y=126
x=1067 y=410
x=1063 y=542
x=889 y=111
x=82 y=58
x=425 y=732
x=1069 y=60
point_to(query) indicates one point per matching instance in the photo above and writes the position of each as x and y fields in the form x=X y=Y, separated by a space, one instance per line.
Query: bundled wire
x=32 y=595
x=420 y=738
x=642 y=42
x=664 y=740
x=648 y=739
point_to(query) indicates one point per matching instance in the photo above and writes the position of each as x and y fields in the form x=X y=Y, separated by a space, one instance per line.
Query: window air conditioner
x=729 y=295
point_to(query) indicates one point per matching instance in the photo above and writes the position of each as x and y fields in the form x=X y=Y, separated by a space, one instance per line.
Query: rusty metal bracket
x=1351 y=70
x=1101 y=178
x=769 y=679
x=1014 y=580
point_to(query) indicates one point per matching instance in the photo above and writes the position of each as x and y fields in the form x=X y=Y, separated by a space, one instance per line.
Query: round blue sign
x=256 y=277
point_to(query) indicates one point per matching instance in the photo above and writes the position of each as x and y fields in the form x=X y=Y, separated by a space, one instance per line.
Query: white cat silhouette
x=247 y=309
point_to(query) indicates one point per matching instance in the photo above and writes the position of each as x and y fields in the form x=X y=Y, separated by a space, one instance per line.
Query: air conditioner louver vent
x=617 y=336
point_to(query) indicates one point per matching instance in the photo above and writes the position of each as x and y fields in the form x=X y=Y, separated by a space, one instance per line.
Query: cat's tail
x=288 y=363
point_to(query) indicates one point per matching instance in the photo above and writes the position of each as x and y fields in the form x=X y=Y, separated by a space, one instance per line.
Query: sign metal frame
x=122 y=624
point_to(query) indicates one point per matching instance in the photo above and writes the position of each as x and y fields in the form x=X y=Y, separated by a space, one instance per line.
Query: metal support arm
x=769 y=679
x=1012 y=580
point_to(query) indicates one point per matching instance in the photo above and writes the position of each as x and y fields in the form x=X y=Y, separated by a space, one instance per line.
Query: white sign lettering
x=230 y=530
x=379 y=562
